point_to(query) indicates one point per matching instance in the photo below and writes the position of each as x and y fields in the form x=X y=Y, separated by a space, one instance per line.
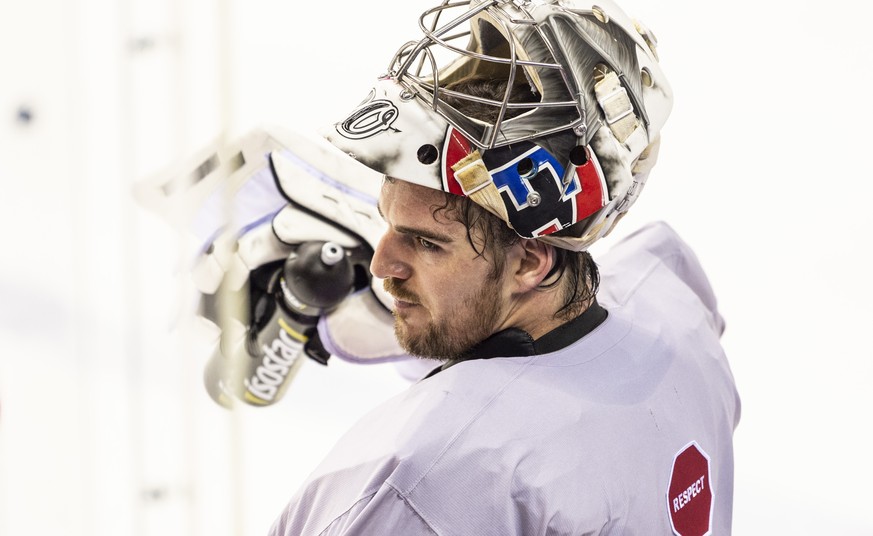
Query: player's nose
x=387 y=259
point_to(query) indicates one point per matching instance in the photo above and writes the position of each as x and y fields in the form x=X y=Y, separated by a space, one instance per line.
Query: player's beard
x=458 y=332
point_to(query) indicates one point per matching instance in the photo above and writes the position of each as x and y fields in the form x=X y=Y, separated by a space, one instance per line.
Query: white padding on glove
x=334 y=186
x=294 y=226
x=251 y=202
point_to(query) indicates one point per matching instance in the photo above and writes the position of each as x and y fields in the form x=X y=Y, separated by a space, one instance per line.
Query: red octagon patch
x=689 y=495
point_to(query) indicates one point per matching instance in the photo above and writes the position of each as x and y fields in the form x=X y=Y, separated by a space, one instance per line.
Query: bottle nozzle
x=332 y=253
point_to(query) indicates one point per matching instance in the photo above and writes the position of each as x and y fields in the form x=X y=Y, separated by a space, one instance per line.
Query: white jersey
x=628 y=430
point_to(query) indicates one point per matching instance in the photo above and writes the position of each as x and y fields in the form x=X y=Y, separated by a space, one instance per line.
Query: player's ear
x=534 y=260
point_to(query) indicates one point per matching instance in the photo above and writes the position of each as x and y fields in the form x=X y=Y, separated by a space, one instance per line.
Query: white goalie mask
x=545 y=112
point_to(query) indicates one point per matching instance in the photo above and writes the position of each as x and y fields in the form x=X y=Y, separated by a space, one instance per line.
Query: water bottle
x=314 y=278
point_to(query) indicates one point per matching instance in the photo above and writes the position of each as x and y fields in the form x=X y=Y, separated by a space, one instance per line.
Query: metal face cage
x=498 y=39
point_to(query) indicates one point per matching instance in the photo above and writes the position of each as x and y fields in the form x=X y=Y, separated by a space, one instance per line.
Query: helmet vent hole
x=428 y=154
x=646 y=77
x=526 y=168
x=600 y=14
x=579 y=155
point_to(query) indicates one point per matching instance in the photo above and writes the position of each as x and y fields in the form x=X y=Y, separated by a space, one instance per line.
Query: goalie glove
x=280 y=304
x=284 y=267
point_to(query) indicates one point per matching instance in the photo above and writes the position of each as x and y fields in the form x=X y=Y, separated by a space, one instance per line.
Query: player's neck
x=539 y=312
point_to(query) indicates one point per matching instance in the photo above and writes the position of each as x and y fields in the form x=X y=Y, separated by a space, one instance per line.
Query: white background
x=104 y=425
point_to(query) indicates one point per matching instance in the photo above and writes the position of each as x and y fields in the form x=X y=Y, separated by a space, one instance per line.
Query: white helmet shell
x=562 y=163
x=386 y=130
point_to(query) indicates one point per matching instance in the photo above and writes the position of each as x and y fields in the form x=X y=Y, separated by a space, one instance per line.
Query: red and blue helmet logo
x=532 y=184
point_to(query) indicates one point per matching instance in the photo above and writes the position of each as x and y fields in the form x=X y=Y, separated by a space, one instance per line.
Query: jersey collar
x=514 y=342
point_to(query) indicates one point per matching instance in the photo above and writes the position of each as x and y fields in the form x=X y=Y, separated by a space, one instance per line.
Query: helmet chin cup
x=538 y=111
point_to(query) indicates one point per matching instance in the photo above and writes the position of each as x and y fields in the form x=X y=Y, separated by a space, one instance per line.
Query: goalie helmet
x=545 y=112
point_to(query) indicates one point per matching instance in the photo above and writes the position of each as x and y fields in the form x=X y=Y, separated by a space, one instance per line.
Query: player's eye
x=426 y=244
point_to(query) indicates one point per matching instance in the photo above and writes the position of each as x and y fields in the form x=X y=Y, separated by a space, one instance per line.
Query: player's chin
x=411 y=324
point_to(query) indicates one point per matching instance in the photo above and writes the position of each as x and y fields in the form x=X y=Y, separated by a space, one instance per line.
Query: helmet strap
x=619 y=113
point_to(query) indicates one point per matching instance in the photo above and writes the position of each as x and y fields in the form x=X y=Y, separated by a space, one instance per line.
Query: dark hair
x=576 y=269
